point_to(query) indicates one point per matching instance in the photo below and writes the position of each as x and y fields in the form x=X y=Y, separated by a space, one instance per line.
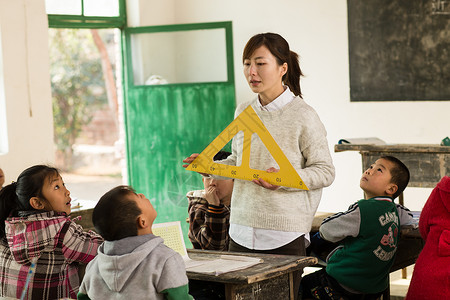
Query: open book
x=173 y=238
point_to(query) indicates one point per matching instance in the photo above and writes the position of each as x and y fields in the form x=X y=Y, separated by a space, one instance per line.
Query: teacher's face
x=264 y=75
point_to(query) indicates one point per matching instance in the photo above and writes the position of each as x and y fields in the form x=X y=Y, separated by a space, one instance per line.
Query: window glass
x=100 y=8
x=179 y=57
x=63 y=7
x=105 y=8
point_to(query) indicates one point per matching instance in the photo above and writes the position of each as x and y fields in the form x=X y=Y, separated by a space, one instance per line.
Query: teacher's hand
x=190 y=159
x=265 y=184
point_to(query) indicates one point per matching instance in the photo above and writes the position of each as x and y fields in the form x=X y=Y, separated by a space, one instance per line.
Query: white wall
x=26 y=82
x=317 y=30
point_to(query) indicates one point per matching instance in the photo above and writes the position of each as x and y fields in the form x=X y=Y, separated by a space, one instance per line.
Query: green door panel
x=166 y=123
x=164 y=126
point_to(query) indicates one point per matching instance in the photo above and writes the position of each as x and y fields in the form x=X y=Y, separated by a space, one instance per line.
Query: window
x=179 y=57
x=180 y=54
x=86 y=13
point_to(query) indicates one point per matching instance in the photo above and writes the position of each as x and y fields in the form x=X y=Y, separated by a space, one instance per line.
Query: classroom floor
x=399 y=286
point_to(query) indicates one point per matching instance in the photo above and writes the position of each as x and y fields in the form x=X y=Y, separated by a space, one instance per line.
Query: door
x=179 y=95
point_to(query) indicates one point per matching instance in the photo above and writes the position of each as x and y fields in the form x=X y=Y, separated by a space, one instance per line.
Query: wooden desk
x=427 y=164
x=271 y=279
x=84 y=208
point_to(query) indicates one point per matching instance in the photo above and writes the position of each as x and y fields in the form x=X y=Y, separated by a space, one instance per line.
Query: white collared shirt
x=285 y=98
x=266 y=239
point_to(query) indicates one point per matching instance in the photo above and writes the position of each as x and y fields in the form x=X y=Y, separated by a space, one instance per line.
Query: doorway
x=84 y=67
x=179 y=95
x=86 y=77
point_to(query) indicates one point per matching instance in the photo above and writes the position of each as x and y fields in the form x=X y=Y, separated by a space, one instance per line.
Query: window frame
x=91 y=22
x=227 y=25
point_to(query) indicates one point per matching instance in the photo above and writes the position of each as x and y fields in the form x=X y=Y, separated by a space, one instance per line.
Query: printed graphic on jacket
x=386 y=250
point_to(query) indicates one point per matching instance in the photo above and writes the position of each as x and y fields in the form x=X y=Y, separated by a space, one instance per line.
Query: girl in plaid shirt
x=35 y=228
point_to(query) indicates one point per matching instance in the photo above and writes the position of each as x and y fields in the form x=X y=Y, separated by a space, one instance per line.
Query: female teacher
x=266 y=218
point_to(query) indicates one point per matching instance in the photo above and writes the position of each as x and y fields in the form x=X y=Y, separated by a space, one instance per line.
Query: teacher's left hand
x=265 y=184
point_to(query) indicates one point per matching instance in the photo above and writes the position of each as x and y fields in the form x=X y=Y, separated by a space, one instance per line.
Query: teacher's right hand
x=190 y=159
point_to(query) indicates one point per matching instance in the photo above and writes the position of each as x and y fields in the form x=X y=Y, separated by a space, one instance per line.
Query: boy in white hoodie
x=132 y=263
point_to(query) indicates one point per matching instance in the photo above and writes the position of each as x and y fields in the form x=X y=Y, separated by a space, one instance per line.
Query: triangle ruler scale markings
x=248 y=122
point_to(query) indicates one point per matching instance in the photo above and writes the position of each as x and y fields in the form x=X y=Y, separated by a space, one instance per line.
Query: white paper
x=173 y=238
x=172 y=235
x=224 y=264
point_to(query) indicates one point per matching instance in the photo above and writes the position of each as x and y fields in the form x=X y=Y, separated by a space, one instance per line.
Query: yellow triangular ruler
x=248 y=122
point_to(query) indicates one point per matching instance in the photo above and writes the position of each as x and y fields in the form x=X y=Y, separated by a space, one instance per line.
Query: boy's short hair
x=399 y=173
x=114 y=217
x=221 y=155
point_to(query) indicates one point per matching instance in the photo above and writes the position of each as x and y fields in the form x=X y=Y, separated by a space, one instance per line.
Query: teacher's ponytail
x=292 y=76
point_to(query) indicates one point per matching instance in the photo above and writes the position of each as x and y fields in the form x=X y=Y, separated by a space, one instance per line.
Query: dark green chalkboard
x=167 y=123
x=398 y=50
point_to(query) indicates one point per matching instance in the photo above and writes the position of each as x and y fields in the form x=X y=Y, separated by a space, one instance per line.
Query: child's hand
x=265 y=184
x=211 y=196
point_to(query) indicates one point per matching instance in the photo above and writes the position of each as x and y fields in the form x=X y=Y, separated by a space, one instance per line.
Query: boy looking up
x=367 y=234
x=132 y=263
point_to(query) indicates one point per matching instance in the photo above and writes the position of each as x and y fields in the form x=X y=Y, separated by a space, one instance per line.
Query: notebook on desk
x=172 y=235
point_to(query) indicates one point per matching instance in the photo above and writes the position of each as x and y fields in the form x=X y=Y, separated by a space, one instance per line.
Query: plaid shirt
x=208 y=224
x=57 y=243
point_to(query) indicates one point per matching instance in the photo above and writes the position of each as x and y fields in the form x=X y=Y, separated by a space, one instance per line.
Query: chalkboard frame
x=398 y=51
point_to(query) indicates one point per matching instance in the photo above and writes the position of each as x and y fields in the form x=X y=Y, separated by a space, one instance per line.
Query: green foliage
x=77 y=83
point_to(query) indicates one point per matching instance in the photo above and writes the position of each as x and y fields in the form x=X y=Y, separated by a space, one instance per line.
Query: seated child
x=35 y=231
x=431 y=276
x=367 y=234
x=209 y=212
x=132 y=263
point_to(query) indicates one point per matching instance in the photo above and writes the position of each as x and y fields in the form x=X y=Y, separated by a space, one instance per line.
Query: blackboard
x=398 y=50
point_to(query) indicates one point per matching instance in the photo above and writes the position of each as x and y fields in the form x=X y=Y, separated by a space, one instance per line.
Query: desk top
x=272 y=266
x=406 y=148
x=84 y=210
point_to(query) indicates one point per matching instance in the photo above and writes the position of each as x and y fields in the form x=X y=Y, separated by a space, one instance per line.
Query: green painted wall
x=165 y=124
